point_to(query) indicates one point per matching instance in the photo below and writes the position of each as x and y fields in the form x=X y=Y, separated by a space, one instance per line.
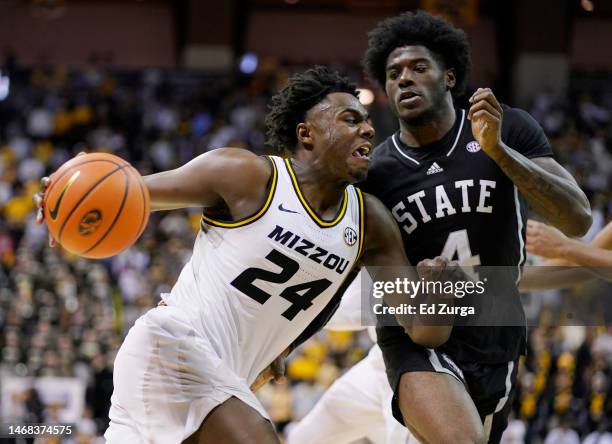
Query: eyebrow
x=365 y=116
x=417 y=60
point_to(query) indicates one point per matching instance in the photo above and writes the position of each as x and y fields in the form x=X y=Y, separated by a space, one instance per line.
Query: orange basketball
x=96 y=205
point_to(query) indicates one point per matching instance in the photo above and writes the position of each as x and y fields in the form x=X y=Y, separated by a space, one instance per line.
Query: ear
x=451 y=78
x=303 y=133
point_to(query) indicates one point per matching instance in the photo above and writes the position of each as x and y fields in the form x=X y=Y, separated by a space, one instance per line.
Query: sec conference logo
x=473 y=147
x=350 y=236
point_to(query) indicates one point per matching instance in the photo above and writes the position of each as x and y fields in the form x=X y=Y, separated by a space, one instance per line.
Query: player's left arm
x=546 y=241
x=569 y=262
x=384 y=250
x=549 y=189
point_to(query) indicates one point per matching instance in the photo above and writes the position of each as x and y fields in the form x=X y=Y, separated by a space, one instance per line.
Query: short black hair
x=288 y=108
x=448 y=43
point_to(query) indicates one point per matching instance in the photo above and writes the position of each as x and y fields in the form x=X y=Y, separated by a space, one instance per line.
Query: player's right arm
x=233 y=177
x=384 y=249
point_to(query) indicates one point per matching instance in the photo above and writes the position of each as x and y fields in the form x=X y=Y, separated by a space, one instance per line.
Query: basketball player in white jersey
x=279 y=240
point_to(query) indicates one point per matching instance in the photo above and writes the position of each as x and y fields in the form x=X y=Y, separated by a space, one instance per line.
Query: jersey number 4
x=300 y=295
x=458 y=245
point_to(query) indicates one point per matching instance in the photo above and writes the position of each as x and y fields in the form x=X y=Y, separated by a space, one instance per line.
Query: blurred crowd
x=64 y=317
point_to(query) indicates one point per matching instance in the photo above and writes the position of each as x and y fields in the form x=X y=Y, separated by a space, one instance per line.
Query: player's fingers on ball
x=81 y=153
x=52 y=241
x=44 y=183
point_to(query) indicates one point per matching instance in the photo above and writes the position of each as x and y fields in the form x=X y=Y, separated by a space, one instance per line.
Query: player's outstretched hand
x=486 y=116
x=39 y=199
x=544 y=240
x=275 y=371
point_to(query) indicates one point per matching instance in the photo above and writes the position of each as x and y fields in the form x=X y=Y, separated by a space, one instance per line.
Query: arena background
x=159 y=82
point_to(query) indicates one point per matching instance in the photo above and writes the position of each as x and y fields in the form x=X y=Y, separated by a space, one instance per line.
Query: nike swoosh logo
x=280 y=207
x=53 y=213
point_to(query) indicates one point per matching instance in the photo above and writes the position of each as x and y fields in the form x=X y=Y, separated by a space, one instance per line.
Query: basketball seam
x=74 y=208
x=48 y=191
x=119 y=211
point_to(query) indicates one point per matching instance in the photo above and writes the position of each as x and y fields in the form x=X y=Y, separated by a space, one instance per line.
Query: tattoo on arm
x=549 y=190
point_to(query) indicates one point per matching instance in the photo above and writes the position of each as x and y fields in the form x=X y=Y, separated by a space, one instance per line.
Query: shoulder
x=517 y=117
x=378 y=219
x=523 y=133
x=246 y=164
x=239 y=158
x=383 y=240
x=236 y=171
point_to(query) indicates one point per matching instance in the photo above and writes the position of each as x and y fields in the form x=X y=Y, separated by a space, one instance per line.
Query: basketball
x=96 y=205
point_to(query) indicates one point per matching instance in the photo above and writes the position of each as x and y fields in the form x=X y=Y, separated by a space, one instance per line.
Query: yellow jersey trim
x=322 y=223
x=361 y=222
x=254 y=217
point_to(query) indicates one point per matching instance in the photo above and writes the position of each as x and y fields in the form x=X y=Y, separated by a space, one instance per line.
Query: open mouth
x=408 y=96
x=362 y=152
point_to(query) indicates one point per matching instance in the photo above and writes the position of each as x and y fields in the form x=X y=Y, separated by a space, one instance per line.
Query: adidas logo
x=434 y=168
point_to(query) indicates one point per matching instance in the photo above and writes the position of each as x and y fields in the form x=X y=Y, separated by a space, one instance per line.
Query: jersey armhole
x=271 y=188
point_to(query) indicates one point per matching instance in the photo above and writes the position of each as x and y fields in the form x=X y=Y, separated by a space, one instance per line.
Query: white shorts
x=356 y=406
x=167 y=379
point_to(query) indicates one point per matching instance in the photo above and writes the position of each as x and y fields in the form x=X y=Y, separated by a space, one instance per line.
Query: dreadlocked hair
x=288 y=108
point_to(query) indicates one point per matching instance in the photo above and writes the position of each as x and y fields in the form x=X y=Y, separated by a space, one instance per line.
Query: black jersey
x=449 y=198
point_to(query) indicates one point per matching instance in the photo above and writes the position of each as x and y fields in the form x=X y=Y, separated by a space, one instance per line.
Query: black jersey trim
x=249 y=219
x=458 y=134
x=320 y=222
x=399 y=150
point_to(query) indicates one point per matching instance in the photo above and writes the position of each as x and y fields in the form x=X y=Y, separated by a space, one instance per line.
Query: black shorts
x=491 y=386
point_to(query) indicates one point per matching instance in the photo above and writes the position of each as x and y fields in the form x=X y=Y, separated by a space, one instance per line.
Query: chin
x=415 y=116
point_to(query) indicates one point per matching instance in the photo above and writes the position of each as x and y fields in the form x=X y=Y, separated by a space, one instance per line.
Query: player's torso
x=261 y=281
x=453 y=201
x=456 y=202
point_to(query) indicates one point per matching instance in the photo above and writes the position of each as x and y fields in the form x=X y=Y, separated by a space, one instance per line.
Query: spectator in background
x=562 y=434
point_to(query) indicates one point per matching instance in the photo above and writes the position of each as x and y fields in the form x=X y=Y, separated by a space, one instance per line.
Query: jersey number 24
x=300 y=295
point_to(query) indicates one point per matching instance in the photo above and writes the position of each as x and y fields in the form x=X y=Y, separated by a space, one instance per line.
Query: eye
x=351 y=121
x=420 y=68
x=392 y=74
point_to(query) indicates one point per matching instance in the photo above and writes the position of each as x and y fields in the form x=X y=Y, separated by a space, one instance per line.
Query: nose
x=367 y=130
x=405 y=78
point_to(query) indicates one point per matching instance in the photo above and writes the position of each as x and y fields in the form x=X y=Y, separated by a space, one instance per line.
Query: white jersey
x=252 y=286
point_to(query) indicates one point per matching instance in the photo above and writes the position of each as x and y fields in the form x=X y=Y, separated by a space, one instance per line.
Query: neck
x=322 y=191
x=430 y=127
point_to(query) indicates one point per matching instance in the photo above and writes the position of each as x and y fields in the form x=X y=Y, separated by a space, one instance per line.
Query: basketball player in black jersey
x=457 y=183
